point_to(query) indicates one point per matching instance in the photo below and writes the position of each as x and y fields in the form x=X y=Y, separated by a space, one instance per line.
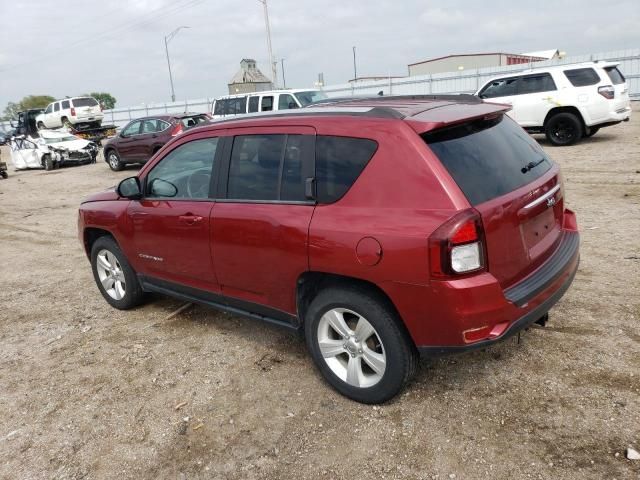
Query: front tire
x=358 y=345
x=113 y=159
x=48 y=162
x=41 y=126
x=116 y=280
x=563 y=129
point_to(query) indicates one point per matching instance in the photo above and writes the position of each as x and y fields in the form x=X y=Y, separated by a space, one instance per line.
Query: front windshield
x=70 y=138
x=312 y=96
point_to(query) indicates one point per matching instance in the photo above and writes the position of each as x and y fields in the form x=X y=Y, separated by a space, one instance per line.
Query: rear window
x=230 y=106
x=193 y=120
x=582 y=77
x=615 y=75
x=84 y=102
x=339 y=162
x=489 y=158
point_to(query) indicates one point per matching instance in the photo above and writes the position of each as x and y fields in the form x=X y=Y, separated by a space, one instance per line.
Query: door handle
x=190 y=219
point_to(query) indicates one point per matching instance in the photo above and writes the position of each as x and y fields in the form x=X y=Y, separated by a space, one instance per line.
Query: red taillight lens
x=73 y=112
x=607 y=92
x=457 y=246
x=177 y=130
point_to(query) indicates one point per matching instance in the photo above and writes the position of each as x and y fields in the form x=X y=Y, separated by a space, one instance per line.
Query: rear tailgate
x=512 y=183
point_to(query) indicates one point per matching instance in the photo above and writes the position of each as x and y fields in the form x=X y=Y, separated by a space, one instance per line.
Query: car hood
x=72 y=145
x=109 y=194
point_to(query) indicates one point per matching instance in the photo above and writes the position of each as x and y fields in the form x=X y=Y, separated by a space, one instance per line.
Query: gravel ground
x=90 y=392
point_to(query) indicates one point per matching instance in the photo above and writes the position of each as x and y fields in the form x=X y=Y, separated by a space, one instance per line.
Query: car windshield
x=306 y=98
x=70 y=138
x=192 y=121
x=84 y=102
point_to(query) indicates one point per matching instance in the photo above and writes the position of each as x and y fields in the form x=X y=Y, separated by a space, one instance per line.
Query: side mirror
x=130 y=188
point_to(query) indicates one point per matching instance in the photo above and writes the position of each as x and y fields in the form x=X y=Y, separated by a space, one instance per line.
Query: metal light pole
x=167 y=39
x=284 y=81
x=355 y=72
x=266 y=21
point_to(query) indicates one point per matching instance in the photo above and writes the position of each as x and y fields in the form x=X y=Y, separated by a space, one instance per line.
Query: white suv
x=76 y=111
x=566 y=102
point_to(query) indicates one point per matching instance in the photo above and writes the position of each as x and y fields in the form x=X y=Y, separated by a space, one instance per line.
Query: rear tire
x=368 y=362
x=66 y=123
x=116 y=280
x=563 y=129
x=591 y=131
x=113 y=159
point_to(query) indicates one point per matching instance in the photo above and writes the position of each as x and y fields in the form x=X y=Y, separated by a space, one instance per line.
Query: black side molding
x=531 y=286
x=220 y=302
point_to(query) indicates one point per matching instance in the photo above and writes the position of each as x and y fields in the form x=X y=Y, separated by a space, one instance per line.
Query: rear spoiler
x=455 y=113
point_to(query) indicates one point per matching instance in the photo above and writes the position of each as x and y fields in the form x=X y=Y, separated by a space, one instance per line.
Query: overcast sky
x=70 y=47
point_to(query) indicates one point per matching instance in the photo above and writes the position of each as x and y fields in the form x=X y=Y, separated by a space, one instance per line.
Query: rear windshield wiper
x=531 y=165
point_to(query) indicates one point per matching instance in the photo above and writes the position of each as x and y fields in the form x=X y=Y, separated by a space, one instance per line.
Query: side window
x=132 y=129
x=49 y=108
x=582 y=77
x=218 y=109
x=267 y=104
x=339 y=162
x=240 y=105
x=185 y=172
x=162 y=125
x=536 y=83
x=502 y=87
x=286 y=102
x=253 y=104
x=615 y=75
x=255 y=167
x=56 y=107
x=149 y=126
x=65 y=104
x=270 y=167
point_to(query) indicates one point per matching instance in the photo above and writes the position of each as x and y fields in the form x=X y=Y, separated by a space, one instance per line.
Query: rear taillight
x=607 y=92
x=457 y=246
x=73 y=112
x=177 y=130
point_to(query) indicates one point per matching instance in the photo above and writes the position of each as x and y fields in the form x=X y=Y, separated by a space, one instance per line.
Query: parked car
x=5 y=136
x=566 y=102
x=140 y=139
x=268 y=101
x=52 y=149
x=379 y=228
x=74 y=111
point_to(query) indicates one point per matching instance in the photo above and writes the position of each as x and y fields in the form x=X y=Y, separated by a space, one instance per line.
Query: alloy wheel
x=351 y=347
x=111 y=274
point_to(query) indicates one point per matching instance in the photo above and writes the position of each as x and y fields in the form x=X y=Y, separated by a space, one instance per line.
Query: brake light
x=607 y=92
x=457 y=246
x=177 y=130
x=73 y=112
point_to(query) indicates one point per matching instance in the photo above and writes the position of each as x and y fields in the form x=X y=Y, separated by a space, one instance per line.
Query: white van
x=264 y=101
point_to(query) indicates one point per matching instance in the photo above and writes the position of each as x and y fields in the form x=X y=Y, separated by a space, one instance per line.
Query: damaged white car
x=52 y=149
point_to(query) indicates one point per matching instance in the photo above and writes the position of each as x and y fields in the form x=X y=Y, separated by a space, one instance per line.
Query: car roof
x=421 y=112
x=554 y=68
x=269 y=92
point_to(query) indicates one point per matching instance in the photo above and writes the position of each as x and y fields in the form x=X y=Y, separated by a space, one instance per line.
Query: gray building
x=452 y=63
x=249 y=79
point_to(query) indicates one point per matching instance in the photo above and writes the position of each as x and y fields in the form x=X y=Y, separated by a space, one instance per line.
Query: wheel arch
x=568 y=109
x=91 y=234
x=310 y=283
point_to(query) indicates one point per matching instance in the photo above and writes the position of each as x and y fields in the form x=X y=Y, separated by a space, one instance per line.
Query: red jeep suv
x=380 y=228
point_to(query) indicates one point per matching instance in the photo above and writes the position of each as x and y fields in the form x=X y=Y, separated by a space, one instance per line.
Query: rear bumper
x=520 y=324
x=474 y=312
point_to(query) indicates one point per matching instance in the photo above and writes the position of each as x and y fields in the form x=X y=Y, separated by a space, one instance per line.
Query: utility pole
x=355 y=71
x=266 y=22
x=167 y=39
x=284 y=81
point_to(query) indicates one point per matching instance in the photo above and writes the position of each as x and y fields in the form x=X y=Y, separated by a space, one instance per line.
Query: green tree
x=107 y=100
x=30 y=101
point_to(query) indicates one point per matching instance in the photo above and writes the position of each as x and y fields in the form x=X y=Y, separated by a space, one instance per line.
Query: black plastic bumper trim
x=523 y=322
x=531 y=286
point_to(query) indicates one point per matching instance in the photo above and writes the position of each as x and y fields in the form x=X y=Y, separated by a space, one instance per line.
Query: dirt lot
x=90 y=392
